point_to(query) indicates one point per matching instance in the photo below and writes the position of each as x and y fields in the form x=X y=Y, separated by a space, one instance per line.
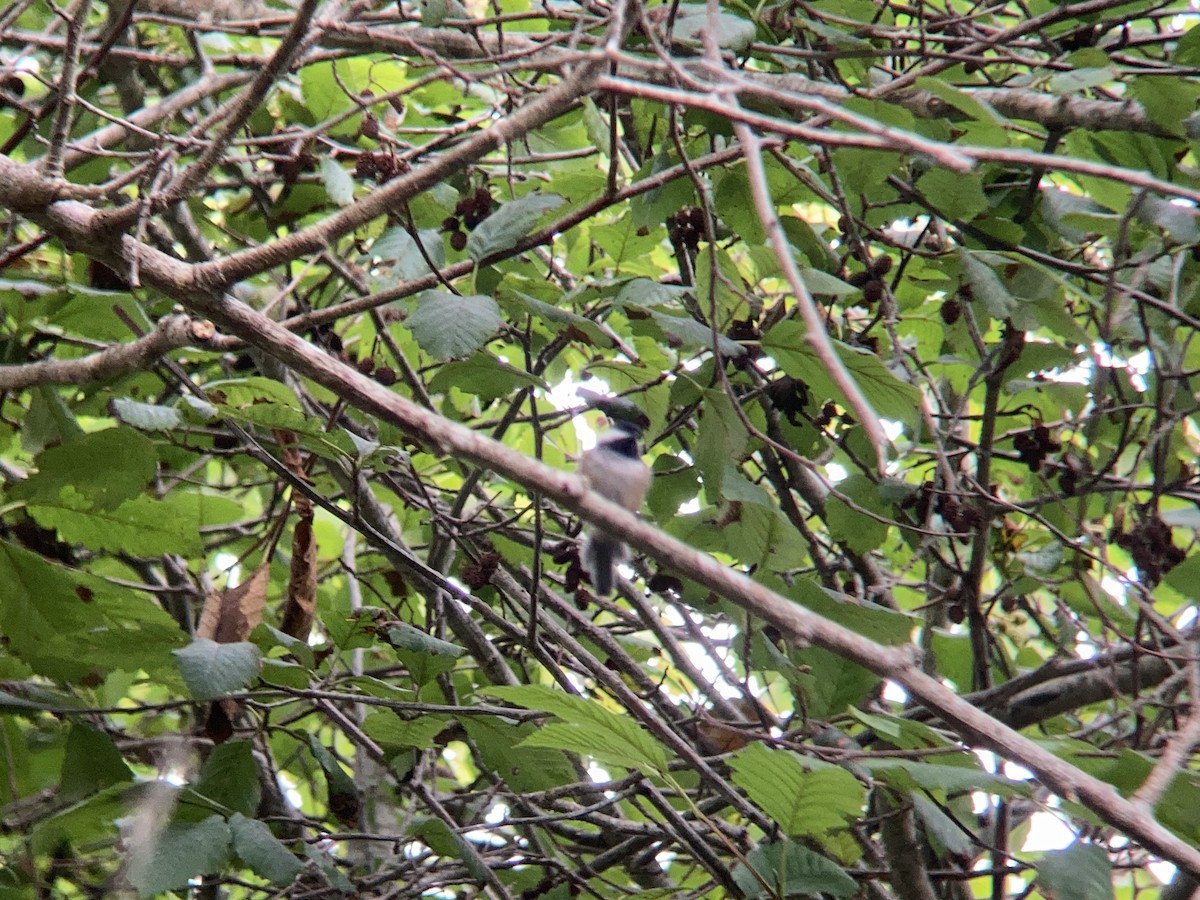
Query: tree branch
x=171 y=333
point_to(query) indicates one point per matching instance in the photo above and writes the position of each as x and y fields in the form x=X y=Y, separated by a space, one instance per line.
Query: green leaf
x=958 y=196
x=340 y=782
x=987 y=286
x=397 y=247
x=104 y=468
x=1187 y=49
x=389 y=730
x=645 y=292
x=441 y=840
x=907 y=776
x=177 y=855
x=146 y=416
x=501 y=745
x=84 y=824
x=556 y=315
x=733 y=187
x=946 y=834
x=791 y=871
x=504 y=228
x=228 y=781
x=1080 y=80
x=447 y=325
x=49 y=421
x=264 y=853
x=830 y=683
x=693 y=335
x=722 y=440
x=802 y=800
x=213 y=670
x=890 y=397
x=406 y=637
x=822 y=283
x=1080 y=872
x=141 y=527
x=587 y=727
x=859 y=531
x=484 y=376
x=92 y=762
x=433 y=12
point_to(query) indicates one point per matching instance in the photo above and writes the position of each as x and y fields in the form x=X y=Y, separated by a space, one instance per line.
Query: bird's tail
x=599 y=557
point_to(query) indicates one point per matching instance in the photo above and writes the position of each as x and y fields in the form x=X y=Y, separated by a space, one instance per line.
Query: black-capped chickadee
x=614 y=470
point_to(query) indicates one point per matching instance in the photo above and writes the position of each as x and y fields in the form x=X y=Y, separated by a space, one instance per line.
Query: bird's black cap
x=621 y=412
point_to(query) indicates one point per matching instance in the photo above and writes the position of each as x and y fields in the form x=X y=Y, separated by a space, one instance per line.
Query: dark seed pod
x=873 y=292
x=881 y=265
x=370 y=125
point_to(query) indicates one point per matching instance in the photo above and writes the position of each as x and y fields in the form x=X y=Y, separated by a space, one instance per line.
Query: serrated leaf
x=792 y=871
x=337 y=777
x=526 y=769
x=228 y=780
x=406 y=637
x=819 y=282
x=504 y=228
x=213 y=670
x=986 y=286
x=339 y=184
x=433 y=12
x=722 y=438
x=556 y=315
x=397 y=247
x=142 y=526
x=182 y=852
x=1080 y=872
x=802 y=802
x=103 y=469
x=442 y=840
x=848 y=523
x=484 y=376
x=946 y=834
x=890 y=397
x=958 y=195
x=694 y=336
x=264 y=853
x=146 y=416
x=447 y=325
x=646 y=292
x=389 y=730
x=906 y=775
x=91 y=763
x=587 y=727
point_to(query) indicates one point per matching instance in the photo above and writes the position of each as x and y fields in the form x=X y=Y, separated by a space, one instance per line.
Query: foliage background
x=293 y=301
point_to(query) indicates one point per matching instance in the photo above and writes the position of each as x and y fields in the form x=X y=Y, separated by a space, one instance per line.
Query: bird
x=614 y=470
